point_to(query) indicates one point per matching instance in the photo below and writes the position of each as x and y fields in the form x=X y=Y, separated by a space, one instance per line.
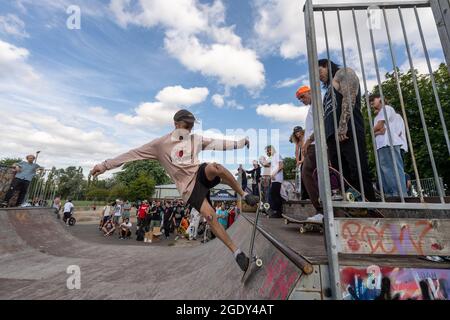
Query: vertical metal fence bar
x=402 y=103
x=419 y=102
x=369 y=113
x=333 y=98
x=433 y=81
x=389 y=131
x=352 y=119
x=321 y=153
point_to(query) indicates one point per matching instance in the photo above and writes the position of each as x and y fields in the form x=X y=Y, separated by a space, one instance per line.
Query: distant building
x=169 y=191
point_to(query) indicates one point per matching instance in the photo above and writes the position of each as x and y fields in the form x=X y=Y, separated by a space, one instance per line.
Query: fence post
x=321 y=153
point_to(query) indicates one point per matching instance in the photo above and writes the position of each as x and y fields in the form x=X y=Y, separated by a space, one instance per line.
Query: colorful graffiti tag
x=388 y=283
x=415 y=237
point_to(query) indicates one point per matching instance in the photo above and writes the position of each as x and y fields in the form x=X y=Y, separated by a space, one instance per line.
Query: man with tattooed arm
x=343 y=96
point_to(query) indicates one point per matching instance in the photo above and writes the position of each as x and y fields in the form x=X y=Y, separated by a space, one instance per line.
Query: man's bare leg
x=209 y=214
x=213 y=170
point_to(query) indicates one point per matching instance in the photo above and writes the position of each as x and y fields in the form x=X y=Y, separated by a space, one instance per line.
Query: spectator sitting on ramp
x=125 y=229
x=178 y=152
x=108 y=228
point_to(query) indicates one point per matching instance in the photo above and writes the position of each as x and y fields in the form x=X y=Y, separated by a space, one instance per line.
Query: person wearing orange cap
x=309 y=154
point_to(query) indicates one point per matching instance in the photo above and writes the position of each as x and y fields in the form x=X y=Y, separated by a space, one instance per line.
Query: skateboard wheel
x=302 y=229
x=266 y=206
x=259 y=262
x=350 y=197
x=286 y=221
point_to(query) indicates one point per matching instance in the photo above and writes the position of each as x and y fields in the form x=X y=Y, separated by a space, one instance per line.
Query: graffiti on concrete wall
x=405 y=237
x=389 y=283
x=279 y=279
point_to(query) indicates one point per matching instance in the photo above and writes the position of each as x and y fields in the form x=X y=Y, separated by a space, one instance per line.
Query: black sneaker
x=251 y=200
x=242 y=261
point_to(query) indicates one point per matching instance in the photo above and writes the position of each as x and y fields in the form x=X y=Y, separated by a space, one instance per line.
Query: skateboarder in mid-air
x=177 y=152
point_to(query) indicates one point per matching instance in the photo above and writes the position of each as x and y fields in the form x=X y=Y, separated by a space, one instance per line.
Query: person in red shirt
x=142 y=211
x=231 y=215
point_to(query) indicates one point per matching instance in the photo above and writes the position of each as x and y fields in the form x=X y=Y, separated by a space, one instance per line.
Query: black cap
x=297 y=129
x=184 y=115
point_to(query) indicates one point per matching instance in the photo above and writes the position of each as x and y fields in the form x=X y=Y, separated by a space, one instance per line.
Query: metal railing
x=358 y=173
x=42 y=189
x=428 y=186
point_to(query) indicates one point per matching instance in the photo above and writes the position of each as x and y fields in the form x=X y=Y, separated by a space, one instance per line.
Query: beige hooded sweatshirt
x=177 y=152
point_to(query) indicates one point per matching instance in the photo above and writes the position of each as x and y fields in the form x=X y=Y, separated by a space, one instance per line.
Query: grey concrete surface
x=36 y=249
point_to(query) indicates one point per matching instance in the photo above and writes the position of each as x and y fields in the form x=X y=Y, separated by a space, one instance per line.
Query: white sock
x=237 y=252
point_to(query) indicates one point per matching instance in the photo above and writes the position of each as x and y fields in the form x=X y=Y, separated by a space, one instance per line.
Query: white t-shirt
x=127 y=225
x=383 y=140
x=265 y=162
x=118 y=210
x=68 y=207
x=107 y=211
x=401 y=131
x=274 y=166
x=309 y=124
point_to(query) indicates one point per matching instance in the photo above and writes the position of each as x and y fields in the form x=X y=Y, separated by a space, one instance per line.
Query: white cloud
x=179 y=96
x=234 y=105
x=12 y=25
x=290 y=82
x=13 y=65
x=280 y=30
x=160 y=113
x=100 y=111
x=218 y=100
x=196 y=35
x=288 y=113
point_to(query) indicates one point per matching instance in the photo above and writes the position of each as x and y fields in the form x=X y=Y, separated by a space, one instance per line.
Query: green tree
x=132 y=170
x=289 y=168
x=432 y=119
x=98 y=194
x=119 y=191
x=7 y=162
x=71 y=182
x=141 y=188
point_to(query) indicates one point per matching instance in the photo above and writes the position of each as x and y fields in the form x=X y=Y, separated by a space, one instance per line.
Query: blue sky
x=83 y=95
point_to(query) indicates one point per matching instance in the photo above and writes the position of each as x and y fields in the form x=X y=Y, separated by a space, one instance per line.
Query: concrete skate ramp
x=36 y=250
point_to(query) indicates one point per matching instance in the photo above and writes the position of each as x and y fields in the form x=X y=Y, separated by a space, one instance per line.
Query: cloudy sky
x=83 y=95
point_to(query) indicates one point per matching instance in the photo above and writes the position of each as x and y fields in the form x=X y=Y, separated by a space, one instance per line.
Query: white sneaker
x=434 y=258
x=316 y=218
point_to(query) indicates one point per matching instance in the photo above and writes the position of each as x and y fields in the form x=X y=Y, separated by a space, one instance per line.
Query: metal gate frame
x=441 y=12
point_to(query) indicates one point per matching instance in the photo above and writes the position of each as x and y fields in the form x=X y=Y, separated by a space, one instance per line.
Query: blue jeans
x=388 y=178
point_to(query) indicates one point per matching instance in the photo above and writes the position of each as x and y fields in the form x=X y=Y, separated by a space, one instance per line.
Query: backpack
x=140 y=234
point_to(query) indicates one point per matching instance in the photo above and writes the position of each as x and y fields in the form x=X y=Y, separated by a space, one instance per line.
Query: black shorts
x=67 y=215
x=202 y=188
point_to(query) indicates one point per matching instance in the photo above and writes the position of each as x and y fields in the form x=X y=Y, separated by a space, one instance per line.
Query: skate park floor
x=37 y=250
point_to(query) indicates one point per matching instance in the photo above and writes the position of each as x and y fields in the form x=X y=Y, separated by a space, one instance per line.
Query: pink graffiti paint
x=280 y=277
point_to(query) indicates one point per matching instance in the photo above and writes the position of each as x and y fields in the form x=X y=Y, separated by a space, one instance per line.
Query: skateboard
x=254 y=259
x=305 y=225
x=353 y=195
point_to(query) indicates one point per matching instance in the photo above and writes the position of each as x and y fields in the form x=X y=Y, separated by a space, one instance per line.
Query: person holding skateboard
x=178 y=152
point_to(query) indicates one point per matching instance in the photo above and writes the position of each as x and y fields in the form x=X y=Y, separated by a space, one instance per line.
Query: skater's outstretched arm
x=220 y=144
x=147 y=151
